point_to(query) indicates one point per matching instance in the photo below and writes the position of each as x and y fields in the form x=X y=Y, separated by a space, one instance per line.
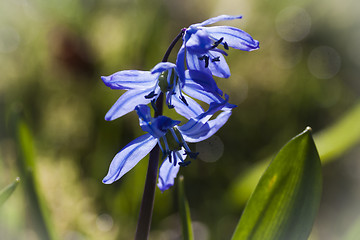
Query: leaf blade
x=6 y=192
x=184 y=211
x=332 y=142
x=287 y=197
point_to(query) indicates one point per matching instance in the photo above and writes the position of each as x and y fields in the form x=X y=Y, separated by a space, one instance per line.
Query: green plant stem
x=147 y=203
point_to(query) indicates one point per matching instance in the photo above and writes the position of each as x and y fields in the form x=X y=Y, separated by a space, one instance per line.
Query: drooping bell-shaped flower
x=200 y=49
x=172 y=140
x=144 y=87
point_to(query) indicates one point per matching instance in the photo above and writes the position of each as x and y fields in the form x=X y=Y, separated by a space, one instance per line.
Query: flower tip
x=108 y=118
x=107 y=181
x=163 y=187
x=105 y=79
x=256 y=45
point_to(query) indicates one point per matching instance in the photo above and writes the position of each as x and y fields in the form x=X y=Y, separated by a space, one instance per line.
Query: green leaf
x=184 y=212
x=331 y=143
x=286 y=199
x=7 y=191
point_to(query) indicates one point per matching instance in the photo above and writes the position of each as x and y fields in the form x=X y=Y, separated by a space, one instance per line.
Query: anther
x=182 y=98
x=175 y=160
x=192 y=155
x=150 y=95
x=184 y=164
x=216 y=59
x=206 y=61
x=226 y=46
x=169 y=155
x=217 y=43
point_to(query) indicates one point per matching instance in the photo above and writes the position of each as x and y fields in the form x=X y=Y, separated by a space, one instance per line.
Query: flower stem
x=147 y=203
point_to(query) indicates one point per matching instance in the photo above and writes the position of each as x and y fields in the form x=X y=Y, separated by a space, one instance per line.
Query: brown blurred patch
x=71 y=52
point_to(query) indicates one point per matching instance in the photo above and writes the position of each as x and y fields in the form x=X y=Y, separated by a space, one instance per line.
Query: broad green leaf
x=7 y=191
x=331 y=143
x=285 y=201
x=184 y=212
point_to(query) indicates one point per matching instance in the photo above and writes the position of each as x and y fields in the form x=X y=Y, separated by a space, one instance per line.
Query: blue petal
x=127 y=103
x=216 y=68
x=198 y=126
x=189 y=110
x=129 y=156
x=201 y=80
x=157 y=127
x=202 y=95
x=193 y=63
x=234 y=37
x=160 y=125
x=199 y=42
x=161 y=67
x=180 y=62
x=217 y=19
x=144 y=113
x=219 y=68
x=207 y=97
x=167 y=174
x=130 y=79
x=201 y=131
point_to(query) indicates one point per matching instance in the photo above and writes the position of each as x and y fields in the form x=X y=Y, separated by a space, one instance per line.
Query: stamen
x=226 y=46
x=159 y=143
x=162 y=150
x=174 y=135
x=175 y=159
x=184 y=164
x=206 y=61
x=217 y=43
x=206 y=58
x=192 y=155
x=216 y=59
x=151 y=95
x=182 y=98
x=169 y=155
x=153 y=104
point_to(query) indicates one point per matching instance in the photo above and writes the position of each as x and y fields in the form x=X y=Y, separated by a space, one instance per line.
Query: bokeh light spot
x=293 y=24
x=104 y=222
x=324 y=62
x=211 y=149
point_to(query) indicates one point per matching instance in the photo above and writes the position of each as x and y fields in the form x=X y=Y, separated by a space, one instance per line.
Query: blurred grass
x=52 y=54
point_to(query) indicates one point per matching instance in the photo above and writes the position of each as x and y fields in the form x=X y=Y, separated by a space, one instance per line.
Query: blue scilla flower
x=200 y=46
x=172 y=140
x=144 y=87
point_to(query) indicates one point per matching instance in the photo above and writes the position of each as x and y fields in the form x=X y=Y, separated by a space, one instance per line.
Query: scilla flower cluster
x=182 y=85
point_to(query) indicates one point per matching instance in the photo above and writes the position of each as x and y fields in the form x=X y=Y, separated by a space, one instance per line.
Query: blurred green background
x=52 y=54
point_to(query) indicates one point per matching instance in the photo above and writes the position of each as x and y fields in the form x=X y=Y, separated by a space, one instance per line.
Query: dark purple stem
x=147 y=203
